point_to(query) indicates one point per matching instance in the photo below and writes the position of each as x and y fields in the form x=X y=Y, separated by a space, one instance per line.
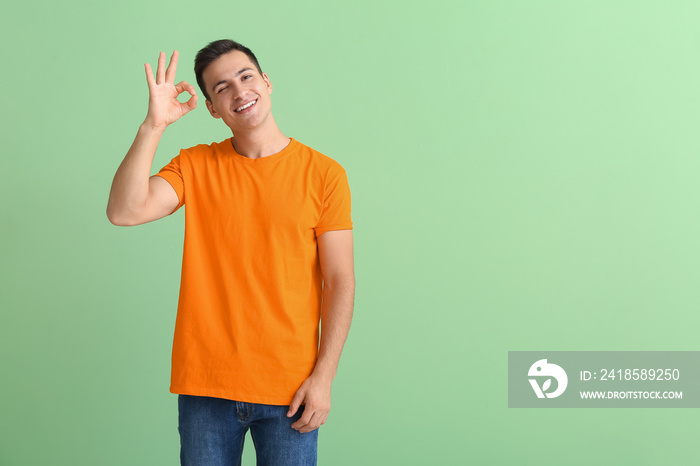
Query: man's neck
x=260 y=143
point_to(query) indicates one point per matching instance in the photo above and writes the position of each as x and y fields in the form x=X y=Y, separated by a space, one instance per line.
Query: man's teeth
x=243 y=107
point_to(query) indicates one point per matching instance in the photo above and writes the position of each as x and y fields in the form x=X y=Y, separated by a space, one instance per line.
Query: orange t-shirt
x=247 y=326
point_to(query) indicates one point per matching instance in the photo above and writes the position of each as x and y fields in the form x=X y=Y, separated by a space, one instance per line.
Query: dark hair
x=213 y=51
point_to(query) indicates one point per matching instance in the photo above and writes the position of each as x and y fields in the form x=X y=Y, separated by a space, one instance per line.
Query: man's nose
x=238 y=92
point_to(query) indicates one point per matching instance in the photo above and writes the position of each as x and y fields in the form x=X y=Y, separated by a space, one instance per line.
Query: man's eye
x=247 y=76
x=220 y=89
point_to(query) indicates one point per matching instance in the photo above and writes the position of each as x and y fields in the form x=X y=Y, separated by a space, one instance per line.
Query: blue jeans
x=212 y=431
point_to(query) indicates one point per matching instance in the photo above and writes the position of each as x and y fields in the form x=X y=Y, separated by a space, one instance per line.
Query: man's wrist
x=149 y=127
x=324 y=374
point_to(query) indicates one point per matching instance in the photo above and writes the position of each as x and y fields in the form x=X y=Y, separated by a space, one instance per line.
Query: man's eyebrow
x=224 y=81
x=243 y=71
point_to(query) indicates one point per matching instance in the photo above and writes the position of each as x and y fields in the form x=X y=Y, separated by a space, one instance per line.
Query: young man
x=268 y=252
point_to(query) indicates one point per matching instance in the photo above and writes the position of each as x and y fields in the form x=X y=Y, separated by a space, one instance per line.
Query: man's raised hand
x=163 y=106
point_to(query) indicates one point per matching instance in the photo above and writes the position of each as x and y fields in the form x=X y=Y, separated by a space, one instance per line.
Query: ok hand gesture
x=163 y=106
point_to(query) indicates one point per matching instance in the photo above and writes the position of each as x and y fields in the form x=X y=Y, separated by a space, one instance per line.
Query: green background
x=524 y=177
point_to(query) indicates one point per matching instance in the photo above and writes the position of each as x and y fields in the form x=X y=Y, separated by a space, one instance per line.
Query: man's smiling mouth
x=248 y=105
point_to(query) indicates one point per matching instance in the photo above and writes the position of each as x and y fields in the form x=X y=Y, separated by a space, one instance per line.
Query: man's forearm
x=130 y=185
x=336 y=315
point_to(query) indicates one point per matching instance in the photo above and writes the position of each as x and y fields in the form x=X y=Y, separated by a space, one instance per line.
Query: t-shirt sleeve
x=173 y=175
x=335 y=214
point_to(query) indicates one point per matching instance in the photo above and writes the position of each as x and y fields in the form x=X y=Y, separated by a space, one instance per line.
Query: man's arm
x=335 y=249
x=136 y=197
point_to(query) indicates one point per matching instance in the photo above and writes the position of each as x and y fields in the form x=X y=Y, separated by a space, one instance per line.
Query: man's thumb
x=295 y=405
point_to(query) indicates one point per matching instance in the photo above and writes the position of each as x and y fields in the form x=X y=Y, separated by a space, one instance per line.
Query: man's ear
x=268 y=83
x=210 y=107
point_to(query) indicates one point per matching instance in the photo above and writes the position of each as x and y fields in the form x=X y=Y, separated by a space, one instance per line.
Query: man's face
x=238 y=93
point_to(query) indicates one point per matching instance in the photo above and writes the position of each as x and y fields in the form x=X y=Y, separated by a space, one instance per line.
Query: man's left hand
x=315 y=395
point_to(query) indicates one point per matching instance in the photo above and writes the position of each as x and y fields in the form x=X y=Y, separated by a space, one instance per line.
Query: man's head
x=213 y=51
x=237 y=91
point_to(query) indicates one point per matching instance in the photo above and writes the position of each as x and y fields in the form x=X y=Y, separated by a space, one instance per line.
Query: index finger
x=312 y=424
x=303 y=420
x=170 y=72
